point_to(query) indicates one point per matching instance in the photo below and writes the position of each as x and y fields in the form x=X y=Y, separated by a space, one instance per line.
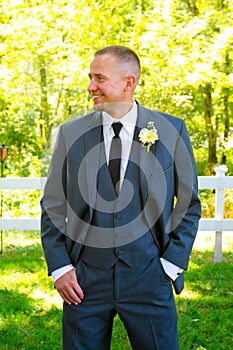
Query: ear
x=130 y=83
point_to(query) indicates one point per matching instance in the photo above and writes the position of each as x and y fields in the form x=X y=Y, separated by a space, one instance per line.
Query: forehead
x=104 y=64
x=103 y=59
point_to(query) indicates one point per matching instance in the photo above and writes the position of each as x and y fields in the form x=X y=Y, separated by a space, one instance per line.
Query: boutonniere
x=148 y=136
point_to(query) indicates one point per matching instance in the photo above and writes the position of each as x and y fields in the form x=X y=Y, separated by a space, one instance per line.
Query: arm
x=53 y=206
x=183 y=223
x=53 y=227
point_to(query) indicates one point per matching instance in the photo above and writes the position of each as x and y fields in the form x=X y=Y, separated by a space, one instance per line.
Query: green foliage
x=207 y=203
x=207 y=198
x=21 y=203
x=31 y=310
x=46 y=47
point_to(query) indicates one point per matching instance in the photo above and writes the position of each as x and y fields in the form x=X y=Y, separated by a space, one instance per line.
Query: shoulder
x=79 y=121
x=160 y=115
x=74 y=130
x=161 y=120
x=81 y=124
x=172 y=119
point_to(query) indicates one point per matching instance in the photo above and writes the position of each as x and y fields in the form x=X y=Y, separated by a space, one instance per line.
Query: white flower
x=148 y=136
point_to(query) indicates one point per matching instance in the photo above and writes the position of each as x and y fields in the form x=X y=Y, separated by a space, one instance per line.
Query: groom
x=120 y=213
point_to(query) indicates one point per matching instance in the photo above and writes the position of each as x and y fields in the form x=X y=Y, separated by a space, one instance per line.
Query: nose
x=92 y=86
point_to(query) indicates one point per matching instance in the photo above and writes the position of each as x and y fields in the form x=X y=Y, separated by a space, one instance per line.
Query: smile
x=96 y=95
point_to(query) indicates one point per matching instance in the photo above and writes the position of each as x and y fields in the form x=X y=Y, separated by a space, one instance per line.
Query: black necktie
x=115 y=155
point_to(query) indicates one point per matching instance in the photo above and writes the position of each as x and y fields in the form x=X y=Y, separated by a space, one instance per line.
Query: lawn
x=30 y=309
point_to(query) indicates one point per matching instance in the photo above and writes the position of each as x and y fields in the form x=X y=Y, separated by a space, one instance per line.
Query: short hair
x=123 y=55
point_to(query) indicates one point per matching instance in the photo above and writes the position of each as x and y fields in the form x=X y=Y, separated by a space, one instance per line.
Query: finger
x=73 y=282
x=64 y=298
x=70 y=297
x=78 y=290
x=73 y=297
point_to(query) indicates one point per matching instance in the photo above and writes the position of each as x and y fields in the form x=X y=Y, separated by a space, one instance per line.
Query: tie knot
x=117 y=128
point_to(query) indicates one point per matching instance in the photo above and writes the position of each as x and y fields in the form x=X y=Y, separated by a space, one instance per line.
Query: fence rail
x=204 y=182
x=220 y=182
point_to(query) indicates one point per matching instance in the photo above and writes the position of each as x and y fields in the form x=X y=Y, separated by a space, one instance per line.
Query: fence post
x=219 y=212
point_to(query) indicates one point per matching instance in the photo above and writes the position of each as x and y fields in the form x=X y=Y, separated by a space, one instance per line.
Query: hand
x=68 y=288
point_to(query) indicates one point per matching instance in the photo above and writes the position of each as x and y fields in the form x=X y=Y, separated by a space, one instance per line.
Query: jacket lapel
x=93 y=161
x=139 y=156
x=145 y=160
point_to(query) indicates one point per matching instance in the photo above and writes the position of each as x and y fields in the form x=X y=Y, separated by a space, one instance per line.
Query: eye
x=100 y=78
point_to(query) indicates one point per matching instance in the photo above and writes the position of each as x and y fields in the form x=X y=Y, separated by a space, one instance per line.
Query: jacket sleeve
x=183 y=224
x=53 y=206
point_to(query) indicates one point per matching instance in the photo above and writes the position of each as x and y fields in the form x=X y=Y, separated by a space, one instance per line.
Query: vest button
x=118 y=216
x=120 y=253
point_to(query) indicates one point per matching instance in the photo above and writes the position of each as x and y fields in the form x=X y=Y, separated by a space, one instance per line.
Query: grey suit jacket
x=171 y=208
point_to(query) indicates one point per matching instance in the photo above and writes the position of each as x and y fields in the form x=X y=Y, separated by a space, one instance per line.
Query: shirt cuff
x=59 y=272
x=170 y=269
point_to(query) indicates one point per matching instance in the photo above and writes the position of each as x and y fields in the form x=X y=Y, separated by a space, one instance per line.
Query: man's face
x=107 y=83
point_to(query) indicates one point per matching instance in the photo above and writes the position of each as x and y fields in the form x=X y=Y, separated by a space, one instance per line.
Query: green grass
x=30 y=309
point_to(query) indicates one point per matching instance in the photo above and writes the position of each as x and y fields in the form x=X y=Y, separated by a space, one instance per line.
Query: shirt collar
x=128 y=120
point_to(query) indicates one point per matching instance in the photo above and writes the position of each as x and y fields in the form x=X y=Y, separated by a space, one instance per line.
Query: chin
x=98 y=106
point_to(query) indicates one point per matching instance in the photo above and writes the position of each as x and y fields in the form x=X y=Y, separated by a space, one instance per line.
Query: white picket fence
x=218 y=224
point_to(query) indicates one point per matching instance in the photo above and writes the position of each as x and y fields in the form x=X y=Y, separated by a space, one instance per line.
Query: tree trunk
x=211 y=127
x=226 y=125
x=45 y=109
x=226 y=94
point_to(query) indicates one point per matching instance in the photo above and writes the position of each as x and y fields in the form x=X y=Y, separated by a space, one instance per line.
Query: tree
x=186 y=53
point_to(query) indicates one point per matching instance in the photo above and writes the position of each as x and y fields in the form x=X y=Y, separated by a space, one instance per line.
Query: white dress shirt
x=126 y=134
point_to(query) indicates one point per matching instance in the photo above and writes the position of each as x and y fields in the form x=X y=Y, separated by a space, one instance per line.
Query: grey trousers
x=141 y=295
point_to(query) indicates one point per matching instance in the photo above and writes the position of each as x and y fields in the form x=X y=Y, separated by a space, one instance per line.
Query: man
x=118 y=228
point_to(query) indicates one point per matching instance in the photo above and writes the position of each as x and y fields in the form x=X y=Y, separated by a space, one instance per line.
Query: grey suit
x=69 y=205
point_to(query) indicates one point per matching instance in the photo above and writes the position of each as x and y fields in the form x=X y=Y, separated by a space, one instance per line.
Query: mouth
x=96 y=97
